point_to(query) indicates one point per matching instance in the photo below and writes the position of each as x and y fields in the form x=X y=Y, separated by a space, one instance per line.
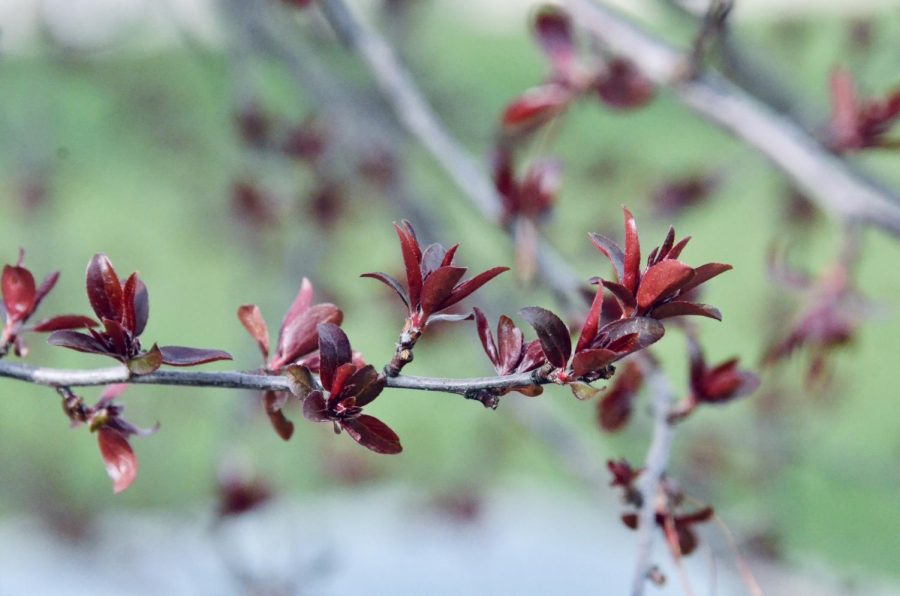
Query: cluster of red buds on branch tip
x=433 y=284
x=105 y=418
x=858 y=124
x=21 y=299
x=677 y=527
x=298 y=343
x=123 y=309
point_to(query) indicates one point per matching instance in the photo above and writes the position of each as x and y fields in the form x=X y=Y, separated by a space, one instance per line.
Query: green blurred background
x=128 y=146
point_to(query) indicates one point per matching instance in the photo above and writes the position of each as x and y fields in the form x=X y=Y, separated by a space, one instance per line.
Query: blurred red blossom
x=860 y=124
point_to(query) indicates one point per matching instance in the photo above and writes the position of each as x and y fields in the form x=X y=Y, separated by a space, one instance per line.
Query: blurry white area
x=98 y=25
x=520 y=541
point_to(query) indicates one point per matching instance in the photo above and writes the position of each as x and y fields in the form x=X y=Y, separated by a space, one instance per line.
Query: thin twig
x=655 y=464
x=824 y=177
x=56 y=377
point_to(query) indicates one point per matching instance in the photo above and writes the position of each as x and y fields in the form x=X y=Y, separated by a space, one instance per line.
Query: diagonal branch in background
x=826 y=178
x=416 y=115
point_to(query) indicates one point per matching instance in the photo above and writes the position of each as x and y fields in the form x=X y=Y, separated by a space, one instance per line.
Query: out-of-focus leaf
x=104 y=289
x=372 y=433
x=553 y=30
x=535 y=107
x=18 y=292
x=274 y=402
x=181 y=356
x=252 y=320
x=118 y=457
x=552 y=332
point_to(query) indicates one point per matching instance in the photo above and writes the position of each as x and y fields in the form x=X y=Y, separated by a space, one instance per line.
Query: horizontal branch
x=826 y=178
x=56 y=377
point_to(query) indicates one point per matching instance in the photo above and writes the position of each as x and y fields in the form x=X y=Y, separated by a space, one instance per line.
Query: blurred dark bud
x=799 y=210
x=33 y=192
x=379 y=167
x=622 y=86
x=862 y=33
x=326 y=204
x=252 y=206
x=461 y=505
x=349 y=468
x=239 y=493
x=306 y=141
x=860 y=124
x=254 y=125
x=679 y=194
x=297 y=3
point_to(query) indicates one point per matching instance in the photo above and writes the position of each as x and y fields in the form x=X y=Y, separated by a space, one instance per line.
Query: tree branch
x=655 y=464
x=56 y=377
x=824 y=177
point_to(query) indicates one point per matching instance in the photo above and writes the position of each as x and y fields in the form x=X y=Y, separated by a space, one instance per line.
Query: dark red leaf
x=631 y=265
x=18 y=292
x=365 y=384
x=341 y=377
x=463 y=290
x=48 y=284
x=301 y=304
x=274 y=402
x=625 y=298
x=661 y=281
x=128 y=314
x=704 y=273
x=314 y=408
x=676 y=250
x=532 y=358
x=77 y=341
x=552 y=333
x=334 y=351
x=612 y=251
x=141 y=307
x=487 y=338
x=121 y=463
x=116 y=335
x=677 y=308
x=588 y=361
x=438 y=287
x=372 y=433
x=181 y=356
x=104 y=289
x=392 y=284
x=510 y=345
x=412 y=258
x=300 y=336
x=591 y=322
x=648 y=331
x=535 y=107
x=448 y=256
x=61 y=322
x=252 y=320
x=146 y=363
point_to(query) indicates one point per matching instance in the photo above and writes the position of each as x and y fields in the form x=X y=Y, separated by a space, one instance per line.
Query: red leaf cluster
x=509 y=353
x=433 y=282
x=346 y=389
x=659 y=290
x=105 y=418
x=21 y=298
x=123 y=309
x=860 y=124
